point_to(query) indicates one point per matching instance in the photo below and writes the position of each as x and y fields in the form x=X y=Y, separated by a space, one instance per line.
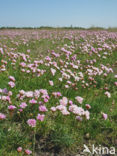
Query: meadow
x=58 y=91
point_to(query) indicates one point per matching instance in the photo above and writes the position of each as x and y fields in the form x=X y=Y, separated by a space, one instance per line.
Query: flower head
x=115 y=83
x=64 y=101
x=5 y=91
x=78 y=118
x=31 y=122
x=88 y=106
x=2 y=116
x=79 y=99
x=51 y=83
x=107 y=94
x=28 y=152
x=33 y=101
x=11 y=84
x=19 y=149
x=105 y=116
x=12 y=78
x=43 y=108
x=23 y=105
x=40 y=117
x=53 y=71
x=11 y=107
x=53 y=109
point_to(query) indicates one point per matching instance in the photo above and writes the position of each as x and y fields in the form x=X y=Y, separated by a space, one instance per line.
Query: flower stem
x=34 y=142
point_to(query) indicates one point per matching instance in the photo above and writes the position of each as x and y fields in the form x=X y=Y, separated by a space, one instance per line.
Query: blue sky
x=82 y=13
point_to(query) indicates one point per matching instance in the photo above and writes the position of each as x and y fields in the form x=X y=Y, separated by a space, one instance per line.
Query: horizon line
x=54 y=27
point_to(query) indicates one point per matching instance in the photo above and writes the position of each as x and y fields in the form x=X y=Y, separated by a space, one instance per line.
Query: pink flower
x=28 y=94
x=76 y=110
x=43 y=108
x=40 y=117
x=105 y=116
x=1 y=51
x=33 y=101
x=70 y=102
x=10 y=93
x=20 y=110
x=66 y=86
x=87 y=115
x=56 y=94
x=1 y=91
x=11 y=107
x=107 y=94
x=5 y=91
x=21 y=92
x=12 y=78
x=19 y=149
x=23 y=105
x=61 y=107
x=22 y=64
x=51 y=83
x=60 y=79
x=43 y=91
x=78 y=118
x=88 y=106
x=115 y=83
x=53 y=109
x=65 y=112
x=31 y=122
x=23 y=70
x=28 y=50
x=105 y=74
x=8 y=98
x=28 y=152
x=79 y=99
x=59 y=94
x=64 y=101
x=11 y=84
x=53 y=71
x=45 y=100
x=4 y=98
x=48 y=58
x=2 y=116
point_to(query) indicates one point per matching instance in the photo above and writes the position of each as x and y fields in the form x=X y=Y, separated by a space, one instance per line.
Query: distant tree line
x=68 y=28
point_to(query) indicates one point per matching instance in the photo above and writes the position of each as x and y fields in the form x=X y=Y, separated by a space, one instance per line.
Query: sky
x=58 y=13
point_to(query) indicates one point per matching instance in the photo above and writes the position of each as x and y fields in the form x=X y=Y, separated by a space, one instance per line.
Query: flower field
x=58 y=91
